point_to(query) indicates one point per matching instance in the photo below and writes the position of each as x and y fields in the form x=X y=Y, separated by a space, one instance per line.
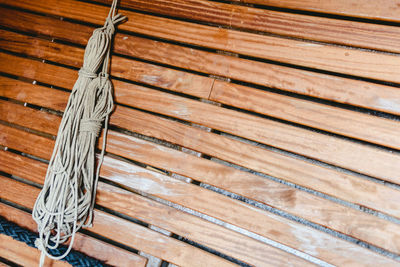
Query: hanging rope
x=66 y=201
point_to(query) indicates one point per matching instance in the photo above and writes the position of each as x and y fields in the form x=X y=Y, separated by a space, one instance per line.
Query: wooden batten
x=248 y=132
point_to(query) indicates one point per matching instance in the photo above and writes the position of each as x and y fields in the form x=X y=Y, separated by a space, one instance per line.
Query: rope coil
x=65 y=204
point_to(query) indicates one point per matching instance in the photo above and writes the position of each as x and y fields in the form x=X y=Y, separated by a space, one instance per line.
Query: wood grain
x=297 y=140
x=20 y=253
x=304 y=205
x=136 y=177
x=325 y=180
x=296 y=25
x=328 y=181
x=379 y=10
x=319 y=56
x=217 y=206
x=216 y=237
x=128 y=233
x=95 y=248
x=369 y=95
x=166 y=78
x=349 y=123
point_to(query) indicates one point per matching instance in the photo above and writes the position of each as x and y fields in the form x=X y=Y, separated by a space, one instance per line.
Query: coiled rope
x=66 y=201
x=75 y=258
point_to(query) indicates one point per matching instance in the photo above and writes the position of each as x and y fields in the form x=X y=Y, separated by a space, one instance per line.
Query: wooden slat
x=349 y=123
x=231 y=150
x=216 y=237
x=332 y=58
x=304 y=205
x=172 y=190
x=360 y=93
x=279 y=135
x=380 y=10
x=324 y=117
x=296 y=25
x=231 y=243
x=338 y=184
x=129 y=69
x=128 y=233
x=20 y=253
x=92 y=247
x=37 y=120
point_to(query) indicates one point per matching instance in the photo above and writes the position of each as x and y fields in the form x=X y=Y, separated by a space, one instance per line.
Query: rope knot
x=91 y=126
x=87 y=73
x=39 y=244
x=109 y=25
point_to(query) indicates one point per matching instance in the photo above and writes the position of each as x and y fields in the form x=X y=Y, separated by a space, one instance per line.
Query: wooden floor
x=247 y=132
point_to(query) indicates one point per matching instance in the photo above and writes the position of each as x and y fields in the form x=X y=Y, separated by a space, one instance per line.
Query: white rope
x=65 y=204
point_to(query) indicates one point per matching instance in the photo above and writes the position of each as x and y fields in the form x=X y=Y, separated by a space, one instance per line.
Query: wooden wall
x=251 y=132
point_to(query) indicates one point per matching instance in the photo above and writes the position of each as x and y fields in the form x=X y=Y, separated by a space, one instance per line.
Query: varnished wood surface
x=105 y=252
x=332 y=150
x=329 y=87
x=179 y=113
x=20 y=253
x=128 y=233
x=289 y=199
x=176 y=190
x=326 y=57
x=226 y=241
x=379 y=10
x=295 y=25
x=300 y=172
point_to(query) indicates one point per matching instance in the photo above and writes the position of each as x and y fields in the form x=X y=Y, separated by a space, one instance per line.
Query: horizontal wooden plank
x=349 y=123
x=37 y=120
x=375 y=96
x=89 y=246
x=243 y=17
x=264 y=160
x=323 y=117
x=128 y=233
x=380 y=10
x=318 y=210
x=42 y=146
x=216 y=237
x=174 y=189
x=20 y=253
x=326 y=57
x=280 y=135
x=171 y=79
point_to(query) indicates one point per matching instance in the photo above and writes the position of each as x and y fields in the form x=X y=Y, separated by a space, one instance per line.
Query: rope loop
x=84 y=72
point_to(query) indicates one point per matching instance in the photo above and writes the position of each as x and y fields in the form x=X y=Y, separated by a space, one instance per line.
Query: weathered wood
x=36 y=119
x=332 y=58
x=92 y=247
x=16 y=127
x=319 y=146
x=350 y=188
x=128 y=233
x=349 y=123
x=217 y=237
x=219 y=206
x=304 y=205
x=42 y=146
x=379 y=10
x=352 y=33
x=359 y=93
x=20 y=253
